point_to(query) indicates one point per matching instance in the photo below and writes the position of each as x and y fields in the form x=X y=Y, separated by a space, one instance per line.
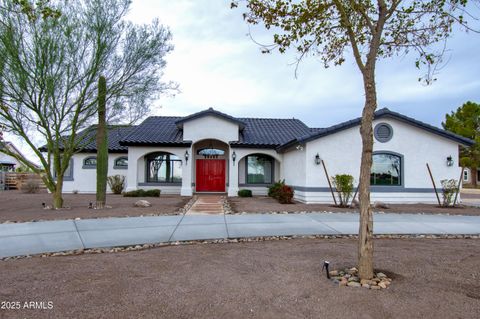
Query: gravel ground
x=17 y=206
x=432 y=278
x=267 y=204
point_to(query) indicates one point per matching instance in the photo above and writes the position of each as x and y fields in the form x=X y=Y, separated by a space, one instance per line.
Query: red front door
x=210 y=175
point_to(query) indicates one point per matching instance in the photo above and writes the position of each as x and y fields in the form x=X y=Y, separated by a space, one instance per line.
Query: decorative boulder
x=381 y=205
x=142 y=203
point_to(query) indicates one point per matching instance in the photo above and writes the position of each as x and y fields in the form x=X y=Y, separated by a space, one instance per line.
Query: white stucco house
x=210 y=151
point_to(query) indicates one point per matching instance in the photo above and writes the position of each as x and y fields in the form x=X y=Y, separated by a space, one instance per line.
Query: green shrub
x=449 y=189
x=274 y=190
x=116 y=183
x=143 y=193
x=285 y=195
x=245 y=193
x=344 y=185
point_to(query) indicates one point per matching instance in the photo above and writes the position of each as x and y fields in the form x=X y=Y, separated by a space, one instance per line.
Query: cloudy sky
x=217 y=65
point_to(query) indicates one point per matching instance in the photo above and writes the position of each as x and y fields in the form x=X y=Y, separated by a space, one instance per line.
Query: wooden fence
x=18 y=180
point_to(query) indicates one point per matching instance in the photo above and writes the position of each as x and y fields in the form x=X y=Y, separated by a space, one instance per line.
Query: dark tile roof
x=385 y=112
x=156 y=130
x=115 y=134
x=269 y=132
x=210 y=112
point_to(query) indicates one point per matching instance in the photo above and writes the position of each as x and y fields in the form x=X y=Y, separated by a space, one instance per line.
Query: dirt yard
x=17 y=206
x=266 y=204
x=433 y=278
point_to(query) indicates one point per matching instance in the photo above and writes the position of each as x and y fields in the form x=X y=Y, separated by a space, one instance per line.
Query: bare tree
x=370 y=30
x=49 y=72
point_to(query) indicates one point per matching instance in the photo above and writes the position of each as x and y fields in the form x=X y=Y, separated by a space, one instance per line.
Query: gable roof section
x=115 y=134
x=156 y=130
x=210 y=112
x=269 y=133
x=382 y=113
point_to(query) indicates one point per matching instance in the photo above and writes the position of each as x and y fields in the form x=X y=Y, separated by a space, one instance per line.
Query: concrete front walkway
x=51 y=236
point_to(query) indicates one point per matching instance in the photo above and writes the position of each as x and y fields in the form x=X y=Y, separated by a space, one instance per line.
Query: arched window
x=259 y=169
x=90 y=162
x=121 y=163
x=163 y=168
x=386 y=169
x=211 y=152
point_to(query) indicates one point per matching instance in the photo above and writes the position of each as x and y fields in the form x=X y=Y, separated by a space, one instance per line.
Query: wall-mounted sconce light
x=317 y=159
x=449 y=161
x=186 y=156
x=234 y=157
x=299 y=147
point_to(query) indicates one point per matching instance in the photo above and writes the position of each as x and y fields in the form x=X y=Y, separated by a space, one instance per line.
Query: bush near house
x=281 y=192
x=449 y=189
x=116 y=183
x=344 y=185
x=245 y=193
x=143 y=193
x=274 y=190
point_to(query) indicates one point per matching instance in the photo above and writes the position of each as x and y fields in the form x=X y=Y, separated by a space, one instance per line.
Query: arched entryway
x=211 y=167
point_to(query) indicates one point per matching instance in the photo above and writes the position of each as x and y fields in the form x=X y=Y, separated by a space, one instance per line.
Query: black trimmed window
x=90 y=162
x=386 y=170
x=163 y=168
x=121 y=163
x=259 y=169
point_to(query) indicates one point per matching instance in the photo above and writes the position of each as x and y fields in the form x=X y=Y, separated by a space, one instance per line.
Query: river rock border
x=227 y=241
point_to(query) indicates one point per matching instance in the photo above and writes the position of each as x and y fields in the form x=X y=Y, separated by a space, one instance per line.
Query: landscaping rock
x=353 y=284
x=333 y=273
x=381 y=275
x=381 y=205
x=142 y=203
x=382 y=285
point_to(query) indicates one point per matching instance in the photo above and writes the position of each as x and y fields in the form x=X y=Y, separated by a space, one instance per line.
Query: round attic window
x=383 y=132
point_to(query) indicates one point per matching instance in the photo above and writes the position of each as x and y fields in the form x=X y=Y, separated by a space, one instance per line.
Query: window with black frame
x=386 y=170
x=259 y=169
x=163 y=168
x=121 y=162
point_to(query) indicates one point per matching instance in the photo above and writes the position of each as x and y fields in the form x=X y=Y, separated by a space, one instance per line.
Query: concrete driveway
x=52 y=236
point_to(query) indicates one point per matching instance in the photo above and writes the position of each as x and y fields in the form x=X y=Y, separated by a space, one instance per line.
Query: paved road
x=51 y=236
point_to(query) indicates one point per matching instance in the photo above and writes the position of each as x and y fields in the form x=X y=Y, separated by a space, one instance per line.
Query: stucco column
x=132 y=170
x=187 y=171
x=232 y=175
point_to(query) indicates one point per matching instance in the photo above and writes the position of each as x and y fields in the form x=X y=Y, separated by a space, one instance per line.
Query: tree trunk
x=474 y=176
x=365 y=232
x=102 y=147
x=57 y=194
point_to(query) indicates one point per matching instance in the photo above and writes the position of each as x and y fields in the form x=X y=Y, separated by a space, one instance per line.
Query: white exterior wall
x=210 y=127
x=7 y=159
x=341 y=153
x=85 y=179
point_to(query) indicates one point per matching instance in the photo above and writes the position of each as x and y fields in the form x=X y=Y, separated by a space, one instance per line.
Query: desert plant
x=344 y=185
x=285 y=195
x=143 y=193
x=274 y=190
x=449 y=189
x=116 y=183
x=75 y=191
x=245 y=193
x=31 y=186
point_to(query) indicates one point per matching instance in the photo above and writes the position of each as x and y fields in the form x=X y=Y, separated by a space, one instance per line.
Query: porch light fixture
x=317 y=159
x=449 y=161
x=186 y=156
x=299 y=147
x=234 y=157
